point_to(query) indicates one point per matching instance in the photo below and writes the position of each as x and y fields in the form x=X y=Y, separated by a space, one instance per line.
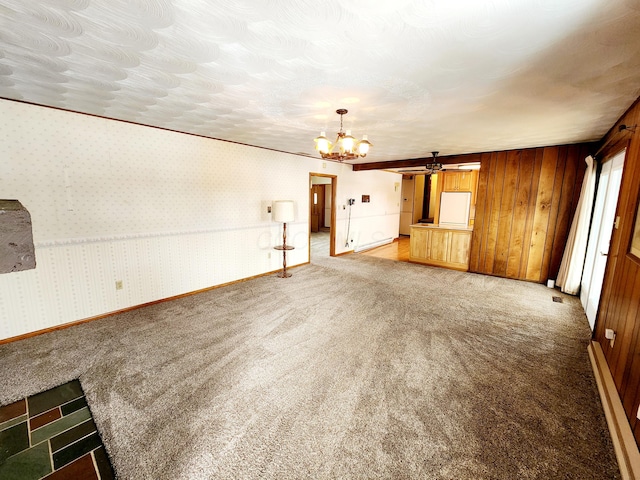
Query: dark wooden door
x=317 y=207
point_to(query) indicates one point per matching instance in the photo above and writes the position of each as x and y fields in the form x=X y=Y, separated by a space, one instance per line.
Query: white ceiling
x=456 y=76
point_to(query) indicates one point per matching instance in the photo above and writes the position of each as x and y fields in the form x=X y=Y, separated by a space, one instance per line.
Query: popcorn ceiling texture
x=457 y=76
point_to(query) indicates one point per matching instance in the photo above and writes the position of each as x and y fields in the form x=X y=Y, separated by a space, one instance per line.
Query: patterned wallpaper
x=163 y=212
x=98 y=177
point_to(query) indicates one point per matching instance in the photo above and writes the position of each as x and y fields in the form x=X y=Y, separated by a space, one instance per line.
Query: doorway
x=419 y=200
x=322 y=214
x=602 y=224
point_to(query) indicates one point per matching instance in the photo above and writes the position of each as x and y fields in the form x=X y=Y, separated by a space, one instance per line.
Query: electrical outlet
x=638 y=414
x=268 y=254
x=118 y=284
x=610 y=335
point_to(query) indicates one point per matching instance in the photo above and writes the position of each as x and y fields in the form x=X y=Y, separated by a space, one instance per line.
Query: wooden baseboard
x=135 y=307
x=624 y=442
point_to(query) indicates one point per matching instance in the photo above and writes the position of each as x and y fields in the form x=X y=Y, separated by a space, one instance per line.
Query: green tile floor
x=51 y=435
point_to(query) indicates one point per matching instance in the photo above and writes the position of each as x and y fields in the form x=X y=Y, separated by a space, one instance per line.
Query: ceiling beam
x=418 y=162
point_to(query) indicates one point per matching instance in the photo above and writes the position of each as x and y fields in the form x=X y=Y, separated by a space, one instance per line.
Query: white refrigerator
x=454 y=209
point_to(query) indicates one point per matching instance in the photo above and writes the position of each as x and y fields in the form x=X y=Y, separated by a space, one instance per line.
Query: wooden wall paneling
x=631 y=394
x=479 y=223
x=541 y=215
x=564 y=213
x=507 y=208
x=553 y=228
x=491 y=175
x=497 y=183
x=607 y=304
x=531 y=211
x=626 y=271
x=628 y=386
x=519 y=242
x=631 y=377
x=486 y=212
x=523 y=211
x=620 y=300
x=625 y=313
x=618 y=355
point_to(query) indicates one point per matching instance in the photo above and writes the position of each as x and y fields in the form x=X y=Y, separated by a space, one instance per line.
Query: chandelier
x=348 y=148
x=434 y=166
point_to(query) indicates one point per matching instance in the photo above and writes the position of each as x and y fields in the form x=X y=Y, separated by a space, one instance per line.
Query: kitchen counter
x=440 y=245
x=441 y=227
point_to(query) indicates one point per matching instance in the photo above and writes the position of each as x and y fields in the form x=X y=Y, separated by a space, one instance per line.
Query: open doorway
x=419 y=200
x=322 y=214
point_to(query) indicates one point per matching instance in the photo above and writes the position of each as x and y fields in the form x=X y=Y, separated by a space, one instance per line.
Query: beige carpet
x=355 y=367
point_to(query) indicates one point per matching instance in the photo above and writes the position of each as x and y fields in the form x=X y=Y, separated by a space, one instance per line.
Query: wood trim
x=136 y=307
x=622 y=437
x=94 y=115
x=334 y=209
x=332 y=228
x=444 y=159
x=417 y=162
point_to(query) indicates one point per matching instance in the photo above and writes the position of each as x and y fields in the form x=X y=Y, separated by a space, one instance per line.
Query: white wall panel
x=165 y=213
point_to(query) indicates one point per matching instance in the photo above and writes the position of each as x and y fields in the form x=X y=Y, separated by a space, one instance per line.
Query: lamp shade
x=283 y=211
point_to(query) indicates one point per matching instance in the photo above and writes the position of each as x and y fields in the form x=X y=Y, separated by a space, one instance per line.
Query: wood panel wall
x=525 y=204
x=619 y=307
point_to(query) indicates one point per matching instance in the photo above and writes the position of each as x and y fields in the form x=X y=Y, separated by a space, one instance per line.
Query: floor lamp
x=283 y=213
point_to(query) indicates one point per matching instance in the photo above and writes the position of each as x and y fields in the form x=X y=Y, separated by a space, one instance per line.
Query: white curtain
x=570 y=274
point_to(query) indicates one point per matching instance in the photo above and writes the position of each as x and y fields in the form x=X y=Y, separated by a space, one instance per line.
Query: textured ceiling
x=456 y=76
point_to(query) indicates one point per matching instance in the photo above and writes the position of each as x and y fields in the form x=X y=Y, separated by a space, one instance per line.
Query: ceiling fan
x=429 y=168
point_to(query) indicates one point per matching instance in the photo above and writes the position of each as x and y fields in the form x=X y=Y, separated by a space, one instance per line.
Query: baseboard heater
x=371 y=245
x=624 y=442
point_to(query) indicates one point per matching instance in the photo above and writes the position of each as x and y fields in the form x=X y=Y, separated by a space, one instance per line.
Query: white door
x=602 y=222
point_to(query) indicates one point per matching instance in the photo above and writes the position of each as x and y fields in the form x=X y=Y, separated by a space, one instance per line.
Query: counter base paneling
x=440 y=246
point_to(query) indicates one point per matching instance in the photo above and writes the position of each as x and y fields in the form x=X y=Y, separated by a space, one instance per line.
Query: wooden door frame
x=332 y=227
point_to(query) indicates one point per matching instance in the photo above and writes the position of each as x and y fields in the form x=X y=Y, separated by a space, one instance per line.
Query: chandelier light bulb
x=323 y=145
x=348 y=142
x=363 y=146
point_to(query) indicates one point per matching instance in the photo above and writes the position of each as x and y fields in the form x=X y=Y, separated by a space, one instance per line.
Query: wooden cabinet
x=459 y=181
x=442 y=247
